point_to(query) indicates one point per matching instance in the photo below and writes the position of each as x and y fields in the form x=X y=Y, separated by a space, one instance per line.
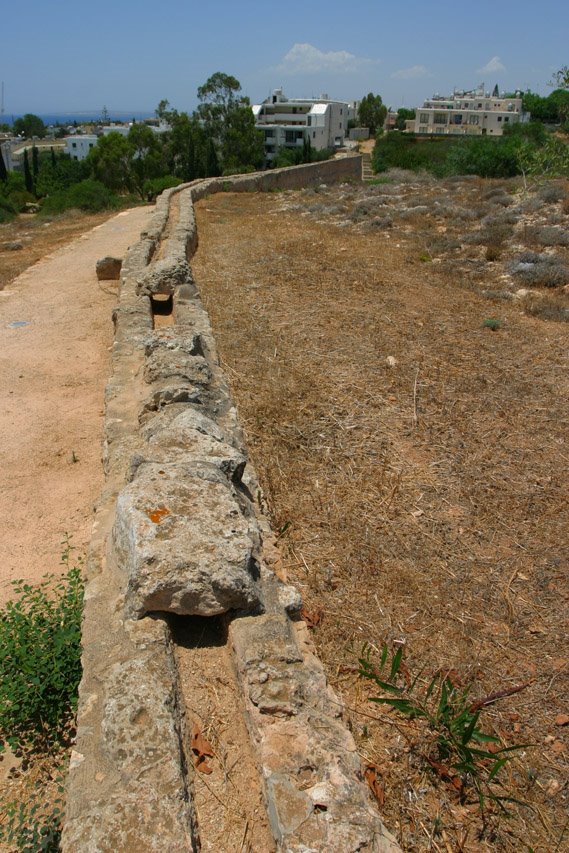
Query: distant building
x=79 y=146
x=472 y=113
x=287 y=122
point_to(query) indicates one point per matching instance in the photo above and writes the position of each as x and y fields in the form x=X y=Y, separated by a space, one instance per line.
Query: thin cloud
x=492 y=66
x=413 y=73
x=307 y=59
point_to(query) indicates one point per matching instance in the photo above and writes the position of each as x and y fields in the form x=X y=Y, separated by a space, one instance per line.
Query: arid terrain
x=398 y=355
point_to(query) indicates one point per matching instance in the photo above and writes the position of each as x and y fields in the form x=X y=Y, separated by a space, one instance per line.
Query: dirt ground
x=406 y=409
x=55 y=336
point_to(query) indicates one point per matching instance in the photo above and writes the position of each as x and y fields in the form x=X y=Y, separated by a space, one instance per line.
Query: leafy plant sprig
x=457 y=751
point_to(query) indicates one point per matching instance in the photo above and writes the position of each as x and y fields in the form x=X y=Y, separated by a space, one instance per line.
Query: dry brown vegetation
x=29 y=237
x=414 y=458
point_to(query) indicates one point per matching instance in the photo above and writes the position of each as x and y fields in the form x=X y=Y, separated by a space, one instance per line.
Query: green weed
x=40 y=660
x=456 y=747
x=34 y=826
x=492 y=323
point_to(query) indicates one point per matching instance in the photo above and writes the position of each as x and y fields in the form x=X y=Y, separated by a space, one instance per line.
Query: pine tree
x=27 y=173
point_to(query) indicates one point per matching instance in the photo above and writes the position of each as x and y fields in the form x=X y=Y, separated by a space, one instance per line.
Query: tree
x=3 y=170
x=110 y=161
x=218 y=97
x=403 y=115
x=27 y=173
x=35 y=162
x=242 y=147
x=561 y=78
x=30 y=125
x=372 y=112
x=145 y=159
x=228 y=120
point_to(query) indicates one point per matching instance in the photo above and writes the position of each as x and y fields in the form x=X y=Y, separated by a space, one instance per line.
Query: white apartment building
x=79 y=146
x=472 y=113
x=287 y=122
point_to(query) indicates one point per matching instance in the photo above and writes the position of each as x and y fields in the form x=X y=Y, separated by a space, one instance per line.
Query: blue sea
x=68 y=118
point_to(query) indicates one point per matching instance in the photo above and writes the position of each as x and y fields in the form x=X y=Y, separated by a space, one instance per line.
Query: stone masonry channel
x=179 y=535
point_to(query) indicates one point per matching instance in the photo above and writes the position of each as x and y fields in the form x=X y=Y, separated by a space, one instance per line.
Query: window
x=314 y=134
x=423 y=129
x=440 y=118
x=479 y=106
x=506 y=118
x=269 y=133
x=289 y=136
x=473 y=119
x=309 y=120
x=457 y=119
x=499 y=118
x=340 y=124
x=424 y=118
x=74 y=145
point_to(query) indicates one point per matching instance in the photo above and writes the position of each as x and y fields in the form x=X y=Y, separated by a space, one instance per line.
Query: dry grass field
x=398 y=354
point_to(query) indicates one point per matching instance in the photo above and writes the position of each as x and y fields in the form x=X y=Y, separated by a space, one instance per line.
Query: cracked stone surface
x=184 y=543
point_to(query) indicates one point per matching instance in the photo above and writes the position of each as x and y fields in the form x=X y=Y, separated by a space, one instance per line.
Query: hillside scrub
x=526 y=148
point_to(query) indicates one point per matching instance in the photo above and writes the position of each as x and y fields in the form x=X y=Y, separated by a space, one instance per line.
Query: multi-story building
x=288 y=122
x=79 y=146
x=474 y=113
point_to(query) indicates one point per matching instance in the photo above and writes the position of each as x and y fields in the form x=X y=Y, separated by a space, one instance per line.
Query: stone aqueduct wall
x=177 y=531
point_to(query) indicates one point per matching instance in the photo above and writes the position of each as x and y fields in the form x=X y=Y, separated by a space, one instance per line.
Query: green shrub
x=34 y=826
x=7 y=209
x=40 y=660
x=89 y=196
x=154 y=186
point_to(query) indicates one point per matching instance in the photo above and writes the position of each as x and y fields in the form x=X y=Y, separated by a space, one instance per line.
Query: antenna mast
x=2 y=101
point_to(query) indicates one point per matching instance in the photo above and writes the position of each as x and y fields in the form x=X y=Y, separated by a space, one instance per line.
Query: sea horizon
x=65 y=118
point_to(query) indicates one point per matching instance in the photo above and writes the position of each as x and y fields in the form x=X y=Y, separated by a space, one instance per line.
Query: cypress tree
x=53 y=160
x=3 y=172
x=212 y=163
x=35 y=162
x=27 y=173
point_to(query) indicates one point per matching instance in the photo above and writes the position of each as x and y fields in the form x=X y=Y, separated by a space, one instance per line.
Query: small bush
x=40 y=660
x=552 y=193
x=89 y=196
x=553 y=306
x=155 y=186
x=546 y=235
x=7 y=209
x=539 y=270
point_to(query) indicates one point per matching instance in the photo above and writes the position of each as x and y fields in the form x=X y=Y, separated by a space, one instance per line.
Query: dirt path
x=55 y=336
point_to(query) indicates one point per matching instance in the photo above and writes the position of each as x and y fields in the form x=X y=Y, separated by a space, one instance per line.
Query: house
x=288 y=122
x=472 y=113
x=79 y=146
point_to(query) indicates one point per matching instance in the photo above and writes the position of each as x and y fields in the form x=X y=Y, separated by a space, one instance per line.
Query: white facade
x=287 y=122
x=474 y=113
x=79 y=146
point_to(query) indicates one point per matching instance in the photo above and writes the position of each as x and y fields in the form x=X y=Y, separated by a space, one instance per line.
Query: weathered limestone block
x=164 y=364
x=183 y=542
x=164 y=276
x=194 y=436
x=128 y=788
x=316 y=798
x=108 y=268
x=170 y=392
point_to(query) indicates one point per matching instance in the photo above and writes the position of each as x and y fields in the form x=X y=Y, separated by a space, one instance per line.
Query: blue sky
x=71 y=56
